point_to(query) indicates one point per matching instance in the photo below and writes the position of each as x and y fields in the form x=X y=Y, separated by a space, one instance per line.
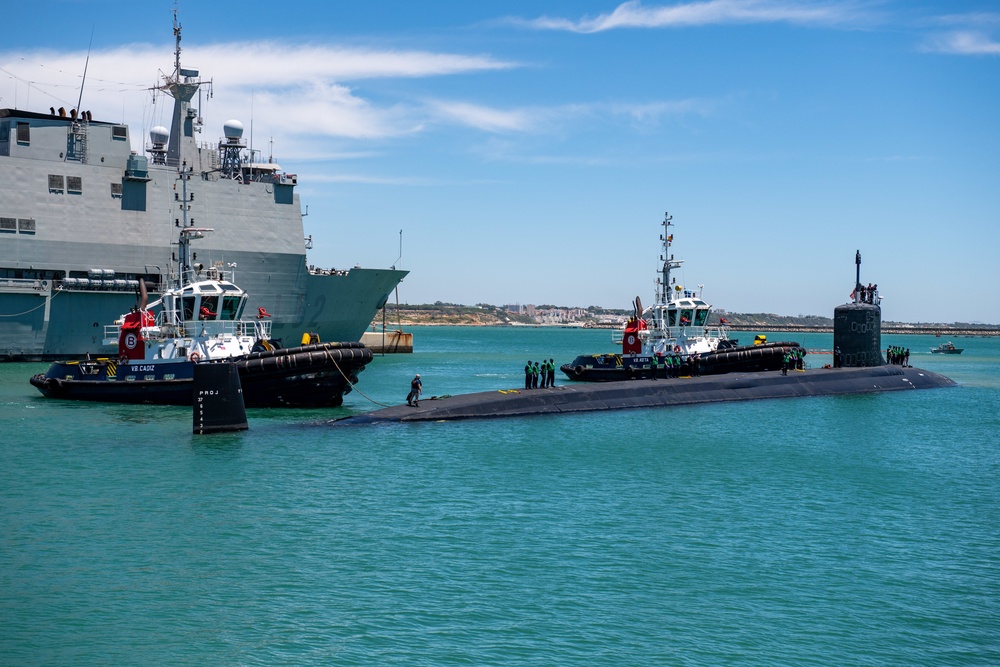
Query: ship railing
x=163 y=330
x=256 y=328
x=673 y=333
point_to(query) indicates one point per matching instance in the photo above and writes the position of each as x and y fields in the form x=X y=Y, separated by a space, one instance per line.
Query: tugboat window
x=230 y=307
x=188 y=308
x=209 y=308
x=23 y=133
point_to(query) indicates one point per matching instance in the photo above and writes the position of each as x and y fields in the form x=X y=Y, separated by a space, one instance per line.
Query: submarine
x=858 y=368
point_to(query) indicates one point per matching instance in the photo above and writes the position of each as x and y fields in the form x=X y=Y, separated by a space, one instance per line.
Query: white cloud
x=633 y=14
x=963 y=42
x=971 y=19
x=289 y=92
x=279 y=64
x=549 y=119
x=486 y=118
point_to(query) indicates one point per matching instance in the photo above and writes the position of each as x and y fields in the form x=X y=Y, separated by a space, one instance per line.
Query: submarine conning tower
x=857 y=326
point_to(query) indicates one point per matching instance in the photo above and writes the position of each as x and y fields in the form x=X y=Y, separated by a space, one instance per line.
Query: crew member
x=416 y=386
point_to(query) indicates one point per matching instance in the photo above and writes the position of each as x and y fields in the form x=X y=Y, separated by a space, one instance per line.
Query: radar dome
x=233 y=129
x=159 y=135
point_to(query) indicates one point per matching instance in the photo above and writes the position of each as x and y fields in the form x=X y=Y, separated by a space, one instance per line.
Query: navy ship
x=83 y=218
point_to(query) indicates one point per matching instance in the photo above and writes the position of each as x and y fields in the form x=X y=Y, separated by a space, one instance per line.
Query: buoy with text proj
x=218 y=399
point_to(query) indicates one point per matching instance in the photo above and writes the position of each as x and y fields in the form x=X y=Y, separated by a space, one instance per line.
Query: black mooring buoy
x=218 y=399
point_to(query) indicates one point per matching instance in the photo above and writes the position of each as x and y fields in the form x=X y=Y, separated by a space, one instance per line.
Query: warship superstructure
x=83 y=217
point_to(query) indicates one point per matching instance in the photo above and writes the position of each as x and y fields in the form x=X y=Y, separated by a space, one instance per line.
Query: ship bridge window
x=687 y=316
x=119 y=132
x=231 y=307
x=209 y=308
x=188 y=302
x=23 y=133
x=700 y=317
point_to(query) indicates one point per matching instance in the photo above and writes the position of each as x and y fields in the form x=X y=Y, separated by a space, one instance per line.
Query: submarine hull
x=651 y=393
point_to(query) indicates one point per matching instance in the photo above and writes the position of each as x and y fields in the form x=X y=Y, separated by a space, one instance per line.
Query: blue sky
x=528 y=150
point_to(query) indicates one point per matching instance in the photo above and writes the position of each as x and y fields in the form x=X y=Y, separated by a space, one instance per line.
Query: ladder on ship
x=77 y=141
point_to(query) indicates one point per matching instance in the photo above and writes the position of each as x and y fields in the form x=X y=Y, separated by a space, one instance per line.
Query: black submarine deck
x=586 y=397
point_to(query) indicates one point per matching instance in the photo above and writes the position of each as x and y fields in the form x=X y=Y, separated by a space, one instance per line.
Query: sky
x=526 y=152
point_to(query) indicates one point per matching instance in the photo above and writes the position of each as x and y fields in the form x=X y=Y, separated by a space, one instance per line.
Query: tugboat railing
x=196 y=329
x=673 y=333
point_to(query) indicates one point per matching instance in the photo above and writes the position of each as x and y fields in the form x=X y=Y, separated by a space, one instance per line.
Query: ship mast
x=187 y=272
x=857 y=277
x=663 y=286
x=181 y=85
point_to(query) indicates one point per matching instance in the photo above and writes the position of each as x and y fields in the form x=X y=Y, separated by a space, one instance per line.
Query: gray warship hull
x=83 y=217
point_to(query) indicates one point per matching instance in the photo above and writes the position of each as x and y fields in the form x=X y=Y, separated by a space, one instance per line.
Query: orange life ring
x=677 y=348
x=194 y=357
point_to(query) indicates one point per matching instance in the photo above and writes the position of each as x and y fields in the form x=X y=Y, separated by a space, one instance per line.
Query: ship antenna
x=177 y=44
x=251 y=135
x=79 y=100
x=400 y=250
x=667 y=223
x=86 y=64
x=857 y=276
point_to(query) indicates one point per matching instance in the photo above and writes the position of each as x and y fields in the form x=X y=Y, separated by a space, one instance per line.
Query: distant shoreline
x=440 y=314
x=896 y=329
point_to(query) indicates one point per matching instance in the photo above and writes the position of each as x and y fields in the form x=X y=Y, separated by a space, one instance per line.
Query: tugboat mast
x=663 y=288
x=186 y=270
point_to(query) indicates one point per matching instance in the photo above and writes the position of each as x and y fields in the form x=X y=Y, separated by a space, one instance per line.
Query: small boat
x=674 y=337
x=200 y=320
x=947 y=348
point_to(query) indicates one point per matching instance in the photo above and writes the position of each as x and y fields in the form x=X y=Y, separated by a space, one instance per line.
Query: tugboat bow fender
x=304 y=357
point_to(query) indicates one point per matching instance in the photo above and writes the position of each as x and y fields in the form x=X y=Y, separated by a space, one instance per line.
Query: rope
x=48 y=298
x=353 y=385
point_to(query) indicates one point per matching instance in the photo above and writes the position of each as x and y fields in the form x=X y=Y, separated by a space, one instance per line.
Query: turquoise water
x=860 y=530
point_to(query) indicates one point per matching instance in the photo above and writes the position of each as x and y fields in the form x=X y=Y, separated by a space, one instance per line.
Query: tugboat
x=200 y=321
x=947 y=348
x=673 y=337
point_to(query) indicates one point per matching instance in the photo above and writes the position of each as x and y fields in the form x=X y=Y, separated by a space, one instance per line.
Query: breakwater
x=926 y=330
